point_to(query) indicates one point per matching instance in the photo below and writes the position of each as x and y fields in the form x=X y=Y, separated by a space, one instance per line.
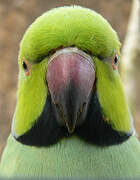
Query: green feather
x=32 y=93
x=69 y=26
x=111 y=97
x=72 y=158
x=74 y=26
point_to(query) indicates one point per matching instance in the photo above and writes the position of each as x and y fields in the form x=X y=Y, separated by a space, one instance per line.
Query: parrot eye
x=26 y=67
x=115 y=62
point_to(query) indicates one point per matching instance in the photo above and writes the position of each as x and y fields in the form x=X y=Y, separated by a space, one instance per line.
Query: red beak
x=70 y=78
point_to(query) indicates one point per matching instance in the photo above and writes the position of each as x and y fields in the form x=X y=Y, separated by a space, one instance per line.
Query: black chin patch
x=46 y=131
x=95 y=130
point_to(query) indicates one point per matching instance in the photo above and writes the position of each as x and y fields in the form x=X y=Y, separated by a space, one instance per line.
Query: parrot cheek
x=70 y=78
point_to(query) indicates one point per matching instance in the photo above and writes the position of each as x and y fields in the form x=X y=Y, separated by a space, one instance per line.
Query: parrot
x=72 y=119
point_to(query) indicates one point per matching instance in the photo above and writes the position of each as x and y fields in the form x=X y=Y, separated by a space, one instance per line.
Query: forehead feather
x=69 y=26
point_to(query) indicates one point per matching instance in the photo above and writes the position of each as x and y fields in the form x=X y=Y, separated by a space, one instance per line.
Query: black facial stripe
x=46 y=131
x=94 y=130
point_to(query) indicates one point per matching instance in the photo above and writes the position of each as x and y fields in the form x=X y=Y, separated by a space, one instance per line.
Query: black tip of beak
x=70 y=78
x=70 y=127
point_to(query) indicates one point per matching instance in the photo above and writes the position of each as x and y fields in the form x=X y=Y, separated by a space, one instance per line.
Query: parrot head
x=69 y=82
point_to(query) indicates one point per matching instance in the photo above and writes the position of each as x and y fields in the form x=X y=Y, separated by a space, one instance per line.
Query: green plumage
x=69 y=26
x=71 y=157
x=65 y=27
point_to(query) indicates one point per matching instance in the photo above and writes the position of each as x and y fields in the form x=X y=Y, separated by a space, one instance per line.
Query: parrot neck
x=71 y=158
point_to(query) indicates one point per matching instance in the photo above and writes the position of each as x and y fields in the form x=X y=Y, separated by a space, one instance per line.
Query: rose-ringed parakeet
x=71 y=117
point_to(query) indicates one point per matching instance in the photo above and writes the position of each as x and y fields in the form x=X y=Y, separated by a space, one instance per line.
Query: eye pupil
x=116 y=59
x=25 y=66
x=115 y=62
